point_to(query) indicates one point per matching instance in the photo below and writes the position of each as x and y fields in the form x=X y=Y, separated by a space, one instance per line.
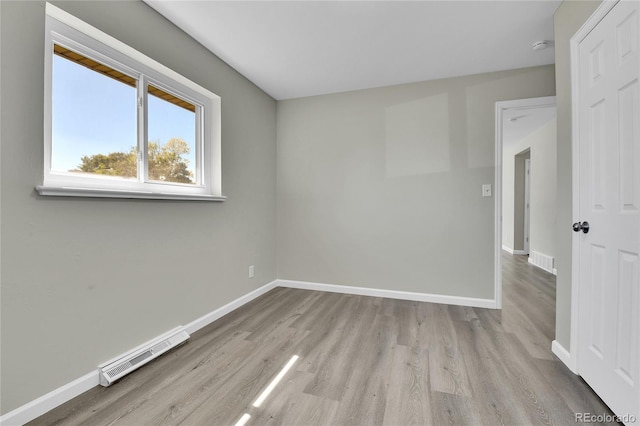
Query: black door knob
x=578 y=226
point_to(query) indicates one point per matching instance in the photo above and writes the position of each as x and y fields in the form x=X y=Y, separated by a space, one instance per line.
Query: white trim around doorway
x=501 y=108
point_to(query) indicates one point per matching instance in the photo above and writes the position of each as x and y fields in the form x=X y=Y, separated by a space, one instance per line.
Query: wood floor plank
x=325 y=306
x=449 y=409
x=532 y=337
x=406 y=321
x=230 y=396
x=497 y=403
x=277 y=308
x=409 y=396
x=323 y=336
x=298 y=303
x=447 y=368
x=363 y=360
x=291 y=406
x=275 y=409
x=490 y=319
x=365 y=396
x=310 y=410
x=337 y=363
x=544 y=403
x=462 y=313
x=564 y=382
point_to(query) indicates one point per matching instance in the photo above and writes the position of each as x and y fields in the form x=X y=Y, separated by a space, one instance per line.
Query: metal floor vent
x=136 y=358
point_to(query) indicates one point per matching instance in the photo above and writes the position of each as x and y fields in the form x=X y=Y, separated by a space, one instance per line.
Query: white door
x=609 y=200
x=527 y=202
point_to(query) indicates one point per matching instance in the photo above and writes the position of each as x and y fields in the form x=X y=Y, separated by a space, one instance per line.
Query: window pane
x=171 y=127
x=94 y=117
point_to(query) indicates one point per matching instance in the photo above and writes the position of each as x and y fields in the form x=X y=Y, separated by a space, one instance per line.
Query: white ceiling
x=302 y=48
x=519 y=123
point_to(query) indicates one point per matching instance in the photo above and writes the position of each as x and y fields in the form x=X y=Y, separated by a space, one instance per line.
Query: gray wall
x=518 y=188
x=381 y=188
x=568 y=19
x=542 y=216
x=513 y=199
x=85 y=279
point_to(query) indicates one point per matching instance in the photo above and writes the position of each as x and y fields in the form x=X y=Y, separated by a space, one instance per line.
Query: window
x=119 y=124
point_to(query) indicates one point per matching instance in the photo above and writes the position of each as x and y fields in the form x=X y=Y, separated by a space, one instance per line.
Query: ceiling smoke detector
x=541 y=45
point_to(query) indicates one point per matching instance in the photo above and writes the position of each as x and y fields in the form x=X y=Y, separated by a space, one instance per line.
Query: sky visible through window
x=95 y=114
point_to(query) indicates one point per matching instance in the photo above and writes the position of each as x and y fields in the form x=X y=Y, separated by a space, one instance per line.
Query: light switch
x=486 y=190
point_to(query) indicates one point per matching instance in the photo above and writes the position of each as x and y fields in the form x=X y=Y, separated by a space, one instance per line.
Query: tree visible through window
x=120 y=124
x=172 y=137
x=165 y=162
x=94 y=109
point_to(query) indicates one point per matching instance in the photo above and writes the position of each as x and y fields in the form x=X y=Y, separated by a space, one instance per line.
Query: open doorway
x=525 y=183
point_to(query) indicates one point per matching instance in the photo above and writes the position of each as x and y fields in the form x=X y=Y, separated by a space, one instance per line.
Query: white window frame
x=70 y=32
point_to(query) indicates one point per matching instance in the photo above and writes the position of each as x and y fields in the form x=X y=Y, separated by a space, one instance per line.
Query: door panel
x=596 y=297
x=626 y=366
x=627 y=38
x=609 y=192
x=629 y=157
x=598 y=138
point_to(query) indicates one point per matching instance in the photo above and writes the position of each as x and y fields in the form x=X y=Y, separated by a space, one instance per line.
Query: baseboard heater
x=118 y=367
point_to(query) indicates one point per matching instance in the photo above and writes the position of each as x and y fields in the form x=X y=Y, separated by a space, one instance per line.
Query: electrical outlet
x=252 y=271
x=486 y=190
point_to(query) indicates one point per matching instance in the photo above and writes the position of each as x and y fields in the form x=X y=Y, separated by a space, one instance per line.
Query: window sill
x=111 y=193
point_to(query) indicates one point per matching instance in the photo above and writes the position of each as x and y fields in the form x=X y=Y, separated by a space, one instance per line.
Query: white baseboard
x=512 y=251
x=38 y=407
x=53 y=399
x=564 y=356
x=391 y=294
x=207 y=319
x=542 y=261
x=59 y=396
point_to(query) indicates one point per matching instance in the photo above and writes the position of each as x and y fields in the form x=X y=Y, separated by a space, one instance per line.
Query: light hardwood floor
x=363 y=360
